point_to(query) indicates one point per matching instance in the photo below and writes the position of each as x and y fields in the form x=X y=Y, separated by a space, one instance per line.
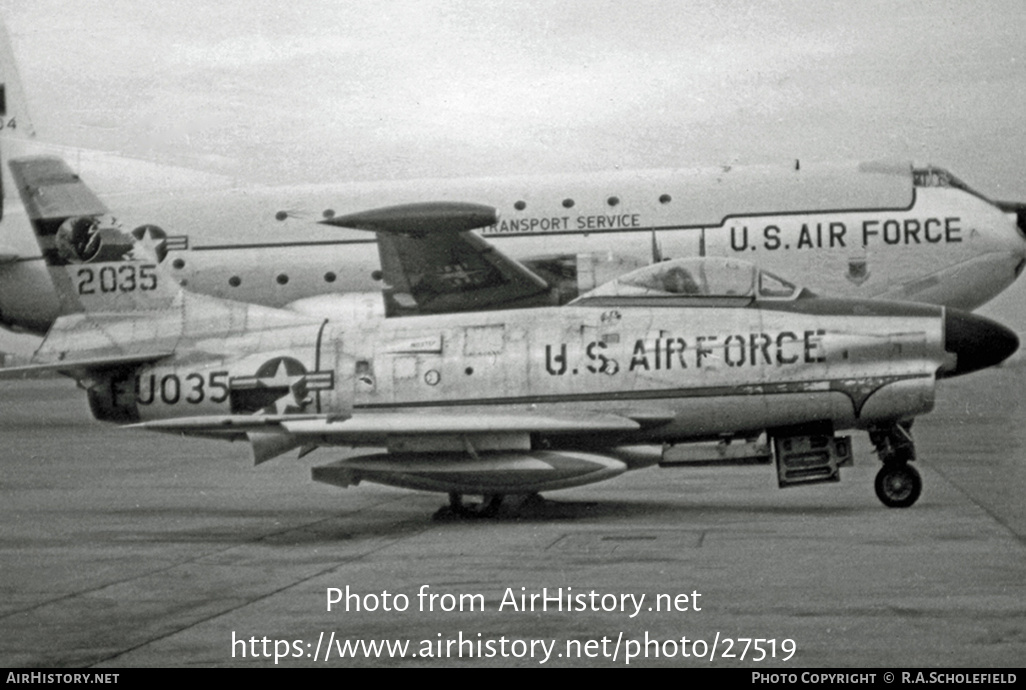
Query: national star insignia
x=296 y=397
x=149 y=246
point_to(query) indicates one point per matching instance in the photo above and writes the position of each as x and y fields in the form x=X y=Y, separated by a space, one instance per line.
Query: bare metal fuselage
x=694 y=372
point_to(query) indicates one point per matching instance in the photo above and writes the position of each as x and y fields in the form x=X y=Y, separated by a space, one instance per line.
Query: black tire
x=488 y=507
x=898 y=485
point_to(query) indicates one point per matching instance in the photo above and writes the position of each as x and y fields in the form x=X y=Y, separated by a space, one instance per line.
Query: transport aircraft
x=862 y=230
x=496 y=402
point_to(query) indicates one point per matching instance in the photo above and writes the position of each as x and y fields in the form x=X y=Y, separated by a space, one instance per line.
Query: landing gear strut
x=898 y=485
x=486 y=508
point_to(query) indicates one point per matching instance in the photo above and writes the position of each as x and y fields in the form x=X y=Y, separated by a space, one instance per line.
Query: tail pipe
x=976 y=342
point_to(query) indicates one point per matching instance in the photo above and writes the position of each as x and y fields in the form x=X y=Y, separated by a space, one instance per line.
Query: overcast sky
x=329 y=91
x=321 y=90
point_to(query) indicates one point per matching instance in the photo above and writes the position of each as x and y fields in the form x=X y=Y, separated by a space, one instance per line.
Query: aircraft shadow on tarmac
x=220 y=525
x=541 y=509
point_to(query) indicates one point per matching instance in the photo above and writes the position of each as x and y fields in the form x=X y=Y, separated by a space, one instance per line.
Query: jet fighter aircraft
x=495 y=402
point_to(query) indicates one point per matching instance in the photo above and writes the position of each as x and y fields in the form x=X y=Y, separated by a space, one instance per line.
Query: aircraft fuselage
x=860 y=231
x=703 y=372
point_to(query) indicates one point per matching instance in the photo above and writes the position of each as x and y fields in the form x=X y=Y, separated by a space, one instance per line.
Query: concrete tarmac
x=123 y=548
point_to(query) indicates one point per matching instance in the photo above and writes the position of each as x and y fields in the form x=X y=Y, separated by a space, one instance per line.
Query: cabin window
x=939 y=177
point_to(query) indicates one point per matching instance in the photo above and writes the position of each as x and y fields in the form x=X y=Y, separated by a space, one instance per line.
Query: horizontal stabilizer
x=81 y=368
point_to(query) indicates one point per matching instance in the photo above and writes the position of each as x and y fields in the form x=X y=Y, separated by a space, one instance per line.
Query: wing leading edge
x=272 y=435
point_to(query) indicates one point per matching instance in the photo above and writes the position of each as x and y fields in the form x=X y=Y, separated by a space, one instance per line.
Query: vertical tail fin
x=15 y=124
x=14 y=115
x=95 y=266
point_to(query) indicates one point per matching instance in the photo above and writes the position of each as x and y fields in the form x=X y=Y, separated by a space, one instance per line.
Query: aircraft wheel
x=486 y=508
x=898 y=485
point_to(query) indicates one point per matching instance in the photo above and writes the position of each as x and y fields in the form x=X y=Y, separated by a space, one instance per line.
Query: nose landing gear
x=898 y=484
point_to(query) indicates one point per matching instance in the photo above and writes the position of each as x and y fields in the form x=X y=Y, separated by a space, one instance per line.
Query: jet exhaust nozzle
x=977 y=342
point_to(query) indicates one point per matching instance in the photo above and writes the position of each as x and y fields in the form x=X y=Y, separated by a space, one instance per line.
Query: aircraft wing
x=336 y=431
x=272 y=435
x=432 y=262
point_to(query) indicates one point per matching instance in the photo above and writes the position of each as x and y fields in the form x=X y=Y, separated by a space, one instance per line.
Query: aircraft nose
x=1015 y=212
x=976 y=342
x=1019 y=247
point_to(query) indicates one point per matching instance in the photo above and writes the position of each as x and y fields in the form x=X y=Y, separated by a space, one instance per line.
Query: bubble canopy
x=700 y=278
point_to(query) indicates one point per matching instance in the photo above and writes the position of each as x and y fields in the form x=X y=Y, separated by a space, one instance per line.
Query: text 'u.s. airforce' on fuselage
x=494 y=402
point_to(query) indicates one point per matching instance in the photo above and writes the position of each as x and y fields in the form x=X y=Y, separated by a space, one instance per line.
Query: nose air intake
x=976 y=342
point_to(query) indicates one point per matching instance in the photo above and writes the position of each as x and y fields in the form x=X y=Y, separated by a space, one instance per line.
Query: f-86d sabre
x=496 y=402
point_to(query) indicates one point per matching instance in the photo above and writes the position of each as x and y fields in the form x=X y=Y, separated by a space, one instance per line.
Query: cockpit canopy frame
x=700 y=281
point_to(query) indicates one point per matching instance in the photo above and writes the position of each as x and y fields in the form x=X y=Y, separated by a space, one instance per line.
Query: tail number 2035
x=123 y=278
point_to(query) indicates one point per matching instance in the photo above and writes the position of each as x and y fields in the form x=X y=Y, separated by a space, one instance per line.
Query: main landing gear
x=898 y=484
x=487 y=507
